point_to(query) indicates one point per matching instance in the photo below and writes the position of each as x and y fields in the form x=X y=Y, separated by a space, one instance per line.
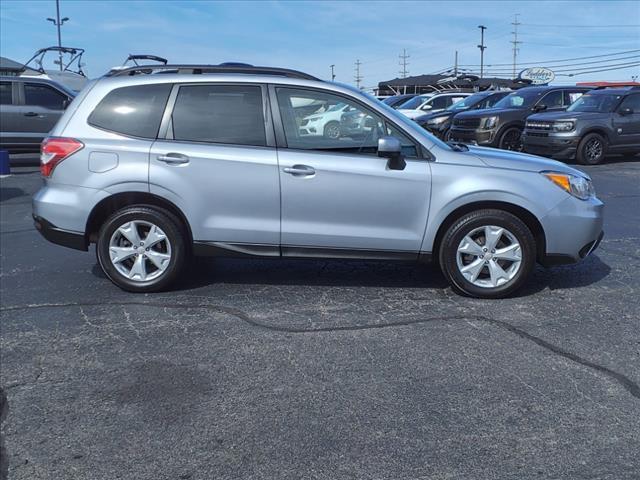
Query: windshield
x=336 y=107
x=595 y=103
x=466 y=103
x=414 y=103
x=520 y=99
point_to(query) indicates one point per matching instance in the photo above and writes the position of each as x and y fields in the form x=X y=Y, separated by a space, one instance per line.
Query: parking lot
x=277 y=369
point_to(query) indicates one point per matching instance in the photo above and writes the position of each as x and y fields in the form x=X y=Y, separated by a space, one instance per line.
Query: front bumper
x=473 y=137
x=573 y=230
x=560 y=148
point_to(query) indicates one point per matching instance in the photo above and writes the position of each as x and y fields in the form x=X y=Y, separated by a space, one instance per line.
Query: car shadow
x=210 y=271
x=7 y=193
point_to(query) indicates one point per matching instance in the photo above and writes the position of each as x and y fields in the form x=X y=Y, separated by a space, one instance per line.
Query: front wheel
x=487 y=254
x=511 y=139
x=332 y=130
x=141 y=248
x=591 y=149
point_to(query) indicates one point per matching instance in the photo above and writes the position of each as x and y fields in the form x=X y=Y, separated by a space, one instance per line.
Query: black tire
x=446 y=136
x=592 y=149
x=448 y=253
x=332 y=130
x=511 y=139
x=174 y=232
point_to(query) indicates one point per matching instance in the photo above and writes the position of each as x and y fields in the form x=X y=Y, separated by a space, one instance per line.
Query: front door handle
x=31 y=114
x=299 y=170
x=173 y=158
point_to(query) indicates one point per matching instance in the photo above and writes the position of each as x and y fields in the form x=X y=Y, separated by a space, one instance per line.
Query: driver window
x=317 y=120
x=552 y=100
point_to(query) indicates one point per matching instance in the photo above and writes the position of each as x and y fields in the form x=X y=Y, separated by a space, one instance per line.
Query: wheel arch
x=103 y=209
x=529 y=219
x=599 y=130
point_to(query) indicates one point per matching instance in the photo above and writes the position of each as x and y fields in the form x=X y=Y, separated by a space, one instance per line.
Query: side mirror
x=626 y=111
x=539 y=108
x=65 y=103
x=391 y=148
x=428 y=106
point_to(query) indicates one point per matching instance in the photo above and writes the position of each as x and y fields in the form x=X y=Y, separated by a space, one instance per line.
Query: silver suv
x=154 y=164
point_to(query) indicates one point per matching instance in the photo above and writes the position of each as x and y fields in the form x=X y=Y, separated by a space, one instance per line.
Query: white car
x=430 y=103
x=325 y=123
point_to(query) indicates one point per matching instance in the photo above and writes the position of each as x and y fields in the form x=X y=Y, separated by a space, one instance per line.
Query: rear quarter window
x=135 y=111
x=5 y=93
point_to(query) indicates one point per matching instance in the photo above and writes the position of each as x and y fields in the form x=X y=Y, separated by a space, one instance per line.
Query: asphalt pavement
x=299 y=369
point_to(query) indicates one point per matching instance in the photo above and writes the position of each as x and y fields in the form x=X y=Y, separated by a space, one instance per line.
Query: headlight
x=563 y=126
x=437 y=121
x=489 y=122
x=577 y=186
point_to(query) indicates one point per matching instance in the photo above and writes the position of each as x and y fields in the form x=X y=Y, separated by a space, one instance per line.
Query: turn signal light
x=54 y=150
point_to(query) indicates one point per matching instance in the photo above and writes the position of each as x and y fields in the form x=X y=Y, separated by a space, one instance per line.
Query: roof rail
x=200 y=69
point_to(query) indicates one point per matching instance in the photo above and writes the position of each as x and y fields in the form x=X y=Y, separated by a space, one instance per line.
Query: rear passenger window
x=135 y=110
x=5 y=93
x=43 y=96
x=229 y=114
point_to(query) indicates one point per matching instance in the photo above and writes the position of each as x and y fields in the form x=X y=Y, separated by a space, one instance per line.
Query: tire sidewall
x=455 y=234
x=169 y=226
x=504 y=134
x=582 y=145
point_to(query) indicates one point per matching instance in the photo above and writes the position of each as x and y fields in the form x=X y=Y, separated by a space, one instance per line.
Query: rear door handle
x=299 y=170
x=31 y=114
x=173 y=158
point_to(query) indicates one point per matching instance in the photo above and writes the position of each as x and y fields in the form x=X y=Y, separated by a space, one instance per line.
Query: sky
x=312 y=35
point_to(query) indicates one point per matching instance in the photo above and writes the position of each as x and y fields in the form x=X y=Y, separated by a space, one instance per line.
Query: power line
x=404 y=63
x=538 y=25
x=630 y=57
x=546 y=62
x=597 y=71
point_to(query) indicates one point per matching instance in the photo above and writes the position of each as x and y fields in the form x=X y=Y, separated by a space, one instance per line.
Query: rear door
x=10 y=114
x=215 y=158
x=42 y=106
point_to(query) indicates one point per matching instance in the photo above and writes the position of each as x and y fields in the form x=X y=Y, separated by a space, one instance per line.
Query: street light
x=58 y=23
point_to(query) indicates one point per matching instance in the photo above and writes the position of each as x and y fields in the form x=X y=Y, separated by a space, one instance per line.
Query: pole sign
x=537 y=75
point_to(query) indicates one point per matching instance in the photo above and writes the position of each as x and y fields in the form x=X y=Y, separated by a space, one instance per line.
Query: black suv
x=601 y=121
x=439 y=123
x=502 y=125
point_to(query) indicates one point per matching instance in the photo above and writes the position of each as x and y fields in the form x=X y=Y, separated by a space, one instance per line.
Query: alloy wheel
x=140 y=251
x=512 y=140
x=593 y=149
x=489 y=256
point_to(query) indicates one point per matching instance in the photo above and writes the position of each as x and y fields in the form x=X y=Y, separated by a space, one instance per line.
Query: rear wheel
x=591 y=149
x=511 y=139
x=141 y=249
x=487 y=254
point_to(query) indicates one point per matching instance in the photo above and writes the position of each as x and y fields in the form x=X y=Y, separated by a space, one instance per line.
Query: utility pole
x=515 y=42
x=403 y=63
x=455 y=65
x=482 y=48
x=58 y=23
x=358 y=77
x=333 y=75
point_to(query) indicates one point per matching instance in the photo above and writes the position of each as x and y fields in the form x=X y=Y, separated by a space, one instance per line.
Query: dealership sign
x=537 y=75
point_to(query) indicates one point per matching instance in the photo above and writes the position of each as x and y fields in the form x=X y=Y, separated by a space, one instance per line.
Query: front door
x=336 y=192
x=627 y=126
x=217 y=162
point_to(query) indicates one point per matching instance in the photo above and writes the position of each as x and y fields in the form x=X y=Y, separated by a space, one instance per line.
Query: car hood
x=430 y=116
x=496 y=158
x=552 y=116
x=411 y=113
x=489 y=112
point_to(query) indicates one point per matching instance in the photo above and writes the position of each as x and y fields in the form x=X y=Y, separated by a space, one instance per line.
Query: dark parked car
x=599 y=122
x=29 y=109
x=396 y=100
x=502 y=125
x=439 y=123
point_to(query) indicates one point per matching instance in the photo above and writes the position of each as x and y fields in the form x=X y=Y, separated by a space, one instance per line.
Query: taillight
x=55 y=149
